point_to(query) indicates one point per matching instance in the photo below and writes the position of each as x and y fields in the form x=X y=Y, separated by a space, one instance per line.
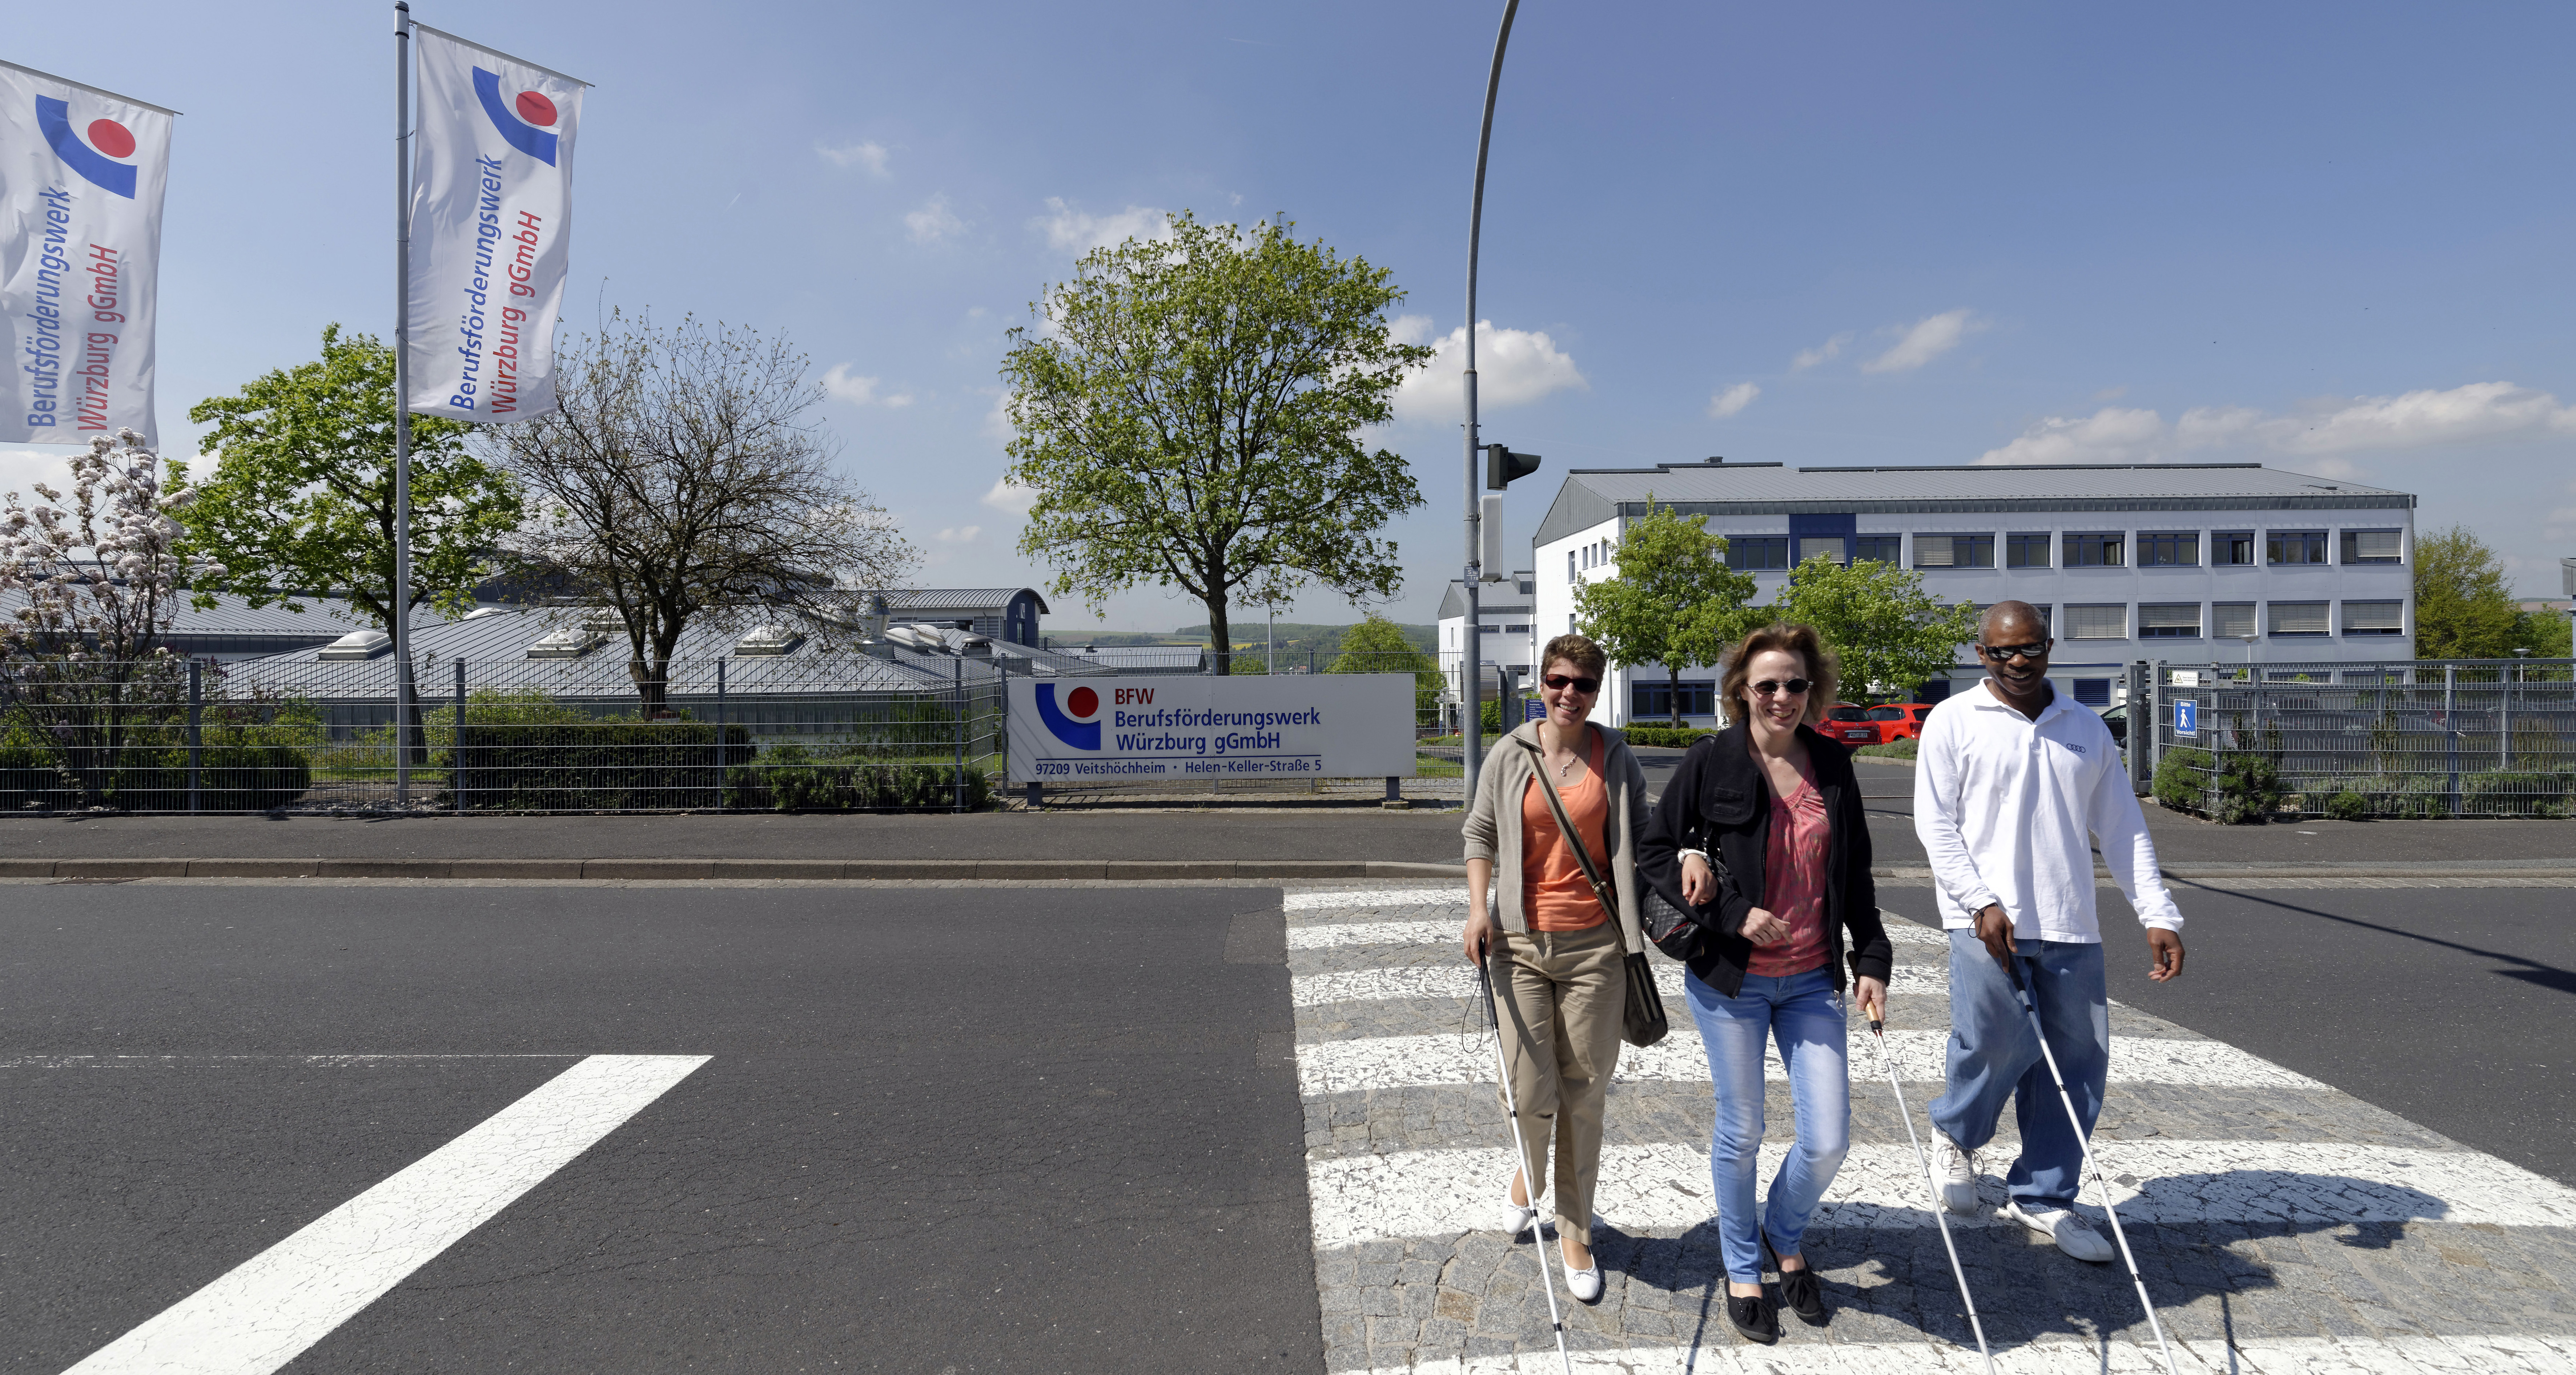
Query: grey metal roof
x=233 y=628
x=1139 y=658
x=1493 y=601
x=991 y=599
x=493 y=644
x=1590 y=496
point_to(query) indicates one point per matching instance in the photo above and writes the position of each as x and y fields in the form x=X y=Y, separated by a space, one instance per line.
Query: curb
x=543 y=869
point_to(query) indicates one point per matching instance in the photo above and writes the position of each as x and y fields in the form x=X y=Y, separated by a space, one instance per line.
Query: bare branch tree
x=683 y=480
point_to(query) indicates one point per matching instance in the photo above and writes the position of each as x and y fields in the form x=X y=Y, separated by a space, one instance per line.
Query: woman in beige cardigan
x=1553 y=954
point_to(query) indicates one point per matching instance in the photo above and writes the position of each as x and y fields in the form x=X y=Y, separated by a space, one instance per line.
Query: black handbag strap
x=1574 y=839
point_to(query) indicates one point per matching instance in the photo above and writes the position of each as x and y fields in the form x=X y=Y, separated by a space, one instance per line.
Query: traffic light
x=1502 y=465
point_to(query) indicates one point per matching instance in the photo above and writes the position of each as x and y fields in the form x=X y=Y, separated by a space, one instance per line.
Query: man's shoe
x=1753 y=1317
x=1956 y=1171
x=2072 y=1232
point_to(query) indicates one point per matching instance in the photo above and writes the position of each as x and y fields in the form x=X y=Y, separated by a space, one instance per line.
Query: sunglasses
x=1795 y=687
x=1586 y=686
x=2000 y=653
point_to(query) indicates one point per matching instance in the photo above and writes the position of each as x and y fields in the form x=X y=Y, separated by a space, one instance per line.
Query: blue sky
x=2332 y=238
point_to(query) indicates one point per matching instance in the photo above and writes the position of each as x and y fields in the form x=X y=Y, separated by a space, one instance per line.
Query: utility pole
x=1471 y=671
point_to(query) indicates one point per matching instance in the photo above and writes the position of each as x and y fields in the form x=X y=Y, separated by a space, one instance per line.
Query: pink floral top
x=1794 y=857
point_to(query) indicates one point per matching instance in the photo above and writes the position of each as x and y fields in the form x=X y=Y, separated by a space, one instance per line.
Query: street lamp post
x=1470 y=659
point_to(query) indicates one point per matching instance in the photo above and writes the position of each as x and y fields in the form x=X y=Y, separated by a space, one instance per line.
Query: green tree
x=1884 y=629
x=2463 y=610
x=1378 y=645
x=1189 y=413
x=2545 y=633
x=1674 y=601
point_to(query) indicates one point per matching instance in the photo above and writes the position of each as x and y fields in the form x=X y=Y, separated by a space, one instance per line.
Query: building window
x=2371 y=546
x=2295 y=546
x=2232 y=548
x=1656 y=699
x=1887 y=549
x=1516 y=630
x=1954 y=551
x=1757 y=551
x=2181 y=550
x=2104 y=550
x=2297 y=618
x=1569 y=623
x=2232 y=620
x=2374 y=618
x=2026 y=550
x=1569 y=566
x=2169 y=621
x=2098 y=622
x=1529 y=589
x=1821 y=547
x=2093 y=692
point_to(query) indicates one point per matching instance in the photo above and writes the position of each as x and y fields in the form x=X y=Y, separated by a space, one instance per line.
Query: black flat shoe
x=1799 y=1291
x=1753 y=1316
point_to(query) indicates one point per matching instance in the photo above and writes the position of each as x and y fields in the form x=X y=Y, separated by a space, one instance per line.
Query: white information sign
x=1193 y=729
x=81 y=172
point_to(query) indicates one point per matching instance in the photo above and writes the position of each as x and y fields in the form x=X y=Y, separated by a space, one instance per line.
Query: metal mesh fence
x=2470 y=738
x=857 y=732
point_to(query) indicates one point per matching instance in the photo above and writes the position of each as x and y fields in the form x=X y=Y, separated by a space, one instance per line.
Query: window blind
x=2232 y=620
x=2298 y=618
x=1933 y=551
x=2374 y=618
x=2097 y=622
x=2169 y=618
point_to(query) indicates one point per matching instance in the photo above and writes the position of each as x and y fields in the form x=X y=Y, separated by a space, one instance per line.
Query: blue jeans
x=1993 y=1056
x=1803 y=1014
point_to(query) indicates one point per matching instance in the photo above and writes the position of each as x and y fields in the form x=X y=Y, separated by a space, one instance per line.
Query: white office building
x=1504 y=610
x=2176 y=562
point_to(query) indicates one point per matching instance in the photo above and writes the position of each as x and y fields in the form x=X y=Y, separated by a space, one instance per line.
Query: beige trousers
x=1560 y=996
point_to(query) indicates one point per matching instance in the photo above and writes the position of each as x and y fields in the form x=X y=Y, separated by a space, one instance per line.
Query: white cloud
x=2421 y=419
x=1928 y=339
x=22 y=469
x=1825 y=352
x=862 y=391
x=1732 y=401
x=1069 y=230
x=958 y=534
x=1513 y=367
x=997 y=421
x=2317 y=435
x=2110 y=435
x=871 y=156
x=934 y=221
x=1011 y=497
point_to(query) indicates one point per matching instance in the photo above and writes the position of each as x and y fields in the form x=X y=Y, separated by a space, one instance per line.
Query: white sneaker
x=2072 y=1231
x=1956 y=1171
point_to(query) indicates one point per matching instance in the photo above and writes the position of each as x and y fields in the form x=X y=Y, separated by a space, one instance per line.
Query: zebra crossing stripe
x=1457 y=979
x=1396 y=1062
x=1335 y=935
x=2286 y=1186
x=1452 y=895
x=2393 y=1355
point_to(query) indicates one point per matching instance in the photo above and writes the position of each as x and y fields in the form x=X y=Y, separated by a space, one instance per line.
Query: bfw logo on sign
x=92 y=159
x=1077 y=723
x=525 y=129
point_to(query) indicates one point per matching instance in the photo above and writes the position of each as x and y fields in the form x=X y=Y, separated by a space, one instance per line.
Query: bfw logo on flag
x=81 y=176
x=490 y=231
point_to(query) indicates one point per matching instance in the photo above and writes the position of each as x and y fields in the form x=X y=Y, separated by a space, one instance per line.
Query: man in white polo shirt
x=2013 y=785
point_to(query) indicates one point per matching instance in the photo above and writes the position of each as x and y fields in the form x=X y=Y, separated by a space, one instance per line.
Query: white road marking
x=1457 y=979
x=270 y=1308
x=1326 y=936
x=1374 y=897
x=2291 y=1186
x=1394 y=1062
x=247 y=1061
x=2399 y=1355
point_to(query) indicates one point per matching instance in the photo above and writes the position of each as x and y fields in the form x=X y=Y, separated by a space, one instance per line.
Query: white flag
x=491 y=230
x=81 y=175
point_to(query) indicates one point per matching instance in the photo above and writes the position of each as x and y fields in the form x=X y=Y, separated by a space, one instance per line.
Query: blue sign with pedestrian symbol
x=2186 y=718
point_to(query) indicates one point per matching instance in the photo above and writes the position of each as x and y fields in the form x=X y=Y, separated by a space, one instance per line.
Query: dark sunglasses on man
x=2005 y=653
x=1586 y=686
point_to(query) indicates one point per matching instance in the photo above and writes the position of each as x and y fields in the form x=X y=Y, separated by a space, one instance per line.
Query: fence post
x=2451 y=730
x=2157 y=714
x=723 y=746
x=196 y=738
x=2504 y=722
x=456 y=744
x=957 y=704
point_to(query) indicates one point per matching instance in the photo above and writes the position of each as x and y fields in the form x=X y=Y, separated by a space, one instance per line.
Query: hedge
x=230 y=778
x=790 y=778
x=586 y=766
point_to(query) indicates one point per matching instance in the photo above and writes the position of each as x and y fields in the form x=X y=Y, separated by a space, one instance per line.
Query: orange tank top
x=1554 y=894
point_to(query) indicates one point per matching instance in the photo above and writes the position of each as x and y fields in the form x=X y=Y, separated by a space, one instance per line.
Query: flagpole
x=404 y=696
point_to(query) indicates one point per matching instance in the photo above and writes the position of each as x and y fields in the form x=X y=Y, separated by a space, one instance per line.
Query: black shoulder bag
x=1642 y=1022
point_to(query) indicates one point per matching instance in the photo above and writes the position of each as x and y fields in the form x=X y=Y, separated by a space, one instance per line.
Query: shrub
x=2507 y=792
x=2348 y=806
x=591 y=765
x=230 y=778
x=2182 y=779
x=2249 y=790
x=790 y=777
x=1893 y=749
x=1664 y=737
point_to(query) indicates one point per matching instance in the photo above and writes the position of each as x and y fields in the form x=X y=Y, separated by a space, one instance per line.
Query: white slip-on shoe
x=1513 y=1218
x=2072 y=1231
x=1956 y=1170
x=1584 y=1285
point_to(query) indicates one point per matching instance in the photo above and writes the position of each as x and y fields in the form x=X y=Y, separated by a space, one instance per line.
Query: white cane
x=1878 y=1038
x=1529 y=1176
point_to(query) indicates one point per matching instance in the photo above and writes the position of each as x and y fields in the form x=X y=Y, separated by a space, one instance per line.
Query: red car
x=1849 y=724
x=1900 y=721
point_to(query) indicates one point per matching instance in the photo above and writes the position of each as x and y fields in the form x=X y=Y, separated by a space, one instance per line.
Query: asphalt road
x=941 y=1130
x=2454 y=1007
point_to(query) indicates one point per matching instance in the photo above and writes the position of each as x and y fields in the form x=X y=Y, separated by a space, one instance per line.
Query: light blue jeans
x=1993 y=1057
x=1803 y=1015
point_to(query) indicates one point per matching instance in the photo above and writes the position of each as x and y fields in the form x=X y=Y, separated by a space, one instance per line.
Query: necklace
x=1565 y=768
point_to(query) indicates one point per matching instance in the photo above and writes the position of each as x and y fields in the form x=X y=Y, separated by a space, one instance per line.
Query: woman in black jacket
x=1760 y=837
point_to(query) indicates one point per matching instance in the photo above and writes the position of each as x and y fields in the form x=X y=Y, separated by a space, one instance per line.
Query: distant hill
x=1299 y=642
